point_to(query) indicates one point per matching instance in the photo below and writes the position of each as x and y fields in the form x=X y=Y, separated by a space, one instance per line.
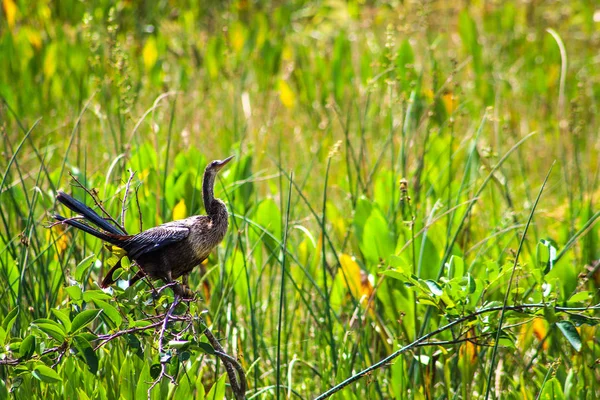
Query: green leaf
x=552 y=390
x=580 y=319
x=87 y=352
x=9 y=320
x=392 y=273
x=111 y=312
x=268 y=216
x=546 y=255
x=217 y=391
x=570 y=332
x=62 y=317
x=74 y=292
x=83 y=266
x=206 y=348
x=50 y=328
x=83 y=319
x=46 y=374
x=3 y=335
x=434 y=287
x=27 y=347
x=377 y=243
x=456 y=267
x=179 y=344
x=91 y=295
x=155 y=370
x=580 y=297
x=143 y=383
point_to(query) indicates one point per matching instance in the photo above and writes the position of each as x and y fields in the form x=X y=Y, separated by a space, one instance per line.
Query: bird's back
x=177 y=246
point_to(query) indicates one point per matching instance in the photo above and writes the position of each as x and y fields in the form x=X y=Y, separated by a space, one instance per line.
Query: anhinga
x=167 y=251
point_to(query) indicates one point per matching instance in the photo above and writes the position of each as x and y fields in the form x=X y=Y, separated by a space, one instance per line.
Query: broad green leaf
x=82 y=395
x=51 y=328
x=52 y=331
x=237 y=275
x=401 y=276
x=190 y=385
x=217 y=391
x=9 y=320
x=206 y=348
x=552 y=390
x=456 y=267
x=62 y=316
x=377 y=243
x=87 y=352
x=143 y=383
x=111 y=312
x=570 y=332
x=434 y=287
x=74 y=292
x=179 y=344
x=46 y=374
x=361 y=214
x=27 y=347
x=83 y=266
x=580 y=297
x=90 y=295
x=83 y=319
x=269 y=217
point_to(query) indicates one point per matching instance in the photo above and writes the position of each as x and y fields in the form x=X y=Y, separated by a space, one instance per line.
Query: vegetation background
x=389 y=158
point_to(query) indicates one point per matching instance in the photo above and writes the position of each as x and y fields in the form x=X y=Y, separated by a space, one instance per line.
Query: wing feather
x=156 y=238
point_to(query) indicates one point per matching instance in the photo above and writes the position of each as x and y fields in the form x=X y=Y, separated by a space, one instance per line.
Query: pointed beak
x=222 y=163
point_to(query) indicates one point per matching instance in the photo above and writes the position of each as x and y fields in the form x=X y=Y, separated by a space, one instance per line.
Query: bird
x=167 y=251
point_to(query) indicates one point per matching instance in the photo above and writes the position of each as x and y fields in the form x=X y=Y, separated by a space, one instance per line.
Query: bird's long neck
x=214 y=207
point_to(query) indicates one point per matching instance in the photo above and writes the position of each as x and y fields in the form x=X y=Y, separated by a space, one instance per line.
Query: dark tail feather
x=85 y=228
x=89 y=214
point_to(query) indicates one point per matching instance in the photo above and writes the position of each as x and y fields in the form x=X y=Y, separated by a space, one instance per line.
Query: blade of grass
x=510 y=281
x=281 y=316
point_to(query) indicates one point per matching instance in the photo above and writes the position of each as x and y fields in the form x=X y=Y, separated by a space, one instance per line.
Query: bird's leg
x=188 y=294
x=170 y=283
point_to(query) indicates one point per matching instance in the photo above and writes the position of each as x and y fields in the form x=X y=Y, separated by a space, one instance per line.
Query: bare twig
x=124 y=204
x=231 y=366
x=161 y=350
x=64 y=221
x=98 y=203
x=137 y=201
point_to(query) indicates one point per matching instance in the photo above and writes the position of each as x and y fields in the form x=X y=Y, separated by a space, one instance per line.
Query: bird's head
x=216 y=165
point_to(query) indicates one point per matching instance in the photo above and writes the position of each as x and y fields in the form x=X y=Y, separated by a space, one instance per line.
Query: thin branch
x=161 y=350
x=423 y=339
x=137 y=201
x=98 y=203
x=231 y=366
x=124 y=204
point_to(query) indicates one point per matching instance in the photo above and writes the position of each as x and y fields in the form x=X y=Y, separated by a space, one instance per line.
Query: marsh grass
x=387 y=164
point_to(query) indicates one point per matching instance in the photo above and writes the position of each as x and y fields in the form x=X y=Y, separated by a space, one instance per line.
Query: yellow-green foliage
x=401 y=129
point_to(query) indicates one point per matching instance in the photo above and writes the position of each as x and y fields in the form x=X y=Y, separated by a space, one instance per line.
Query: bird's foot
x=180 y=290
x=186 y=293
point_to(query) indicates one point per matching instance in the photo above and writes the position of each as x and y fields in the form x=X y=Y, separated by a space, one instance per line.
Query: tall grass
x=387 y=160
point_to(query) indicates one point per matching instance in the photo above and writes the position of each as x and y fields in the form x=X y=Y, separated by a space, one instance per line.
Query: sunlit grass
x=388 y=157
